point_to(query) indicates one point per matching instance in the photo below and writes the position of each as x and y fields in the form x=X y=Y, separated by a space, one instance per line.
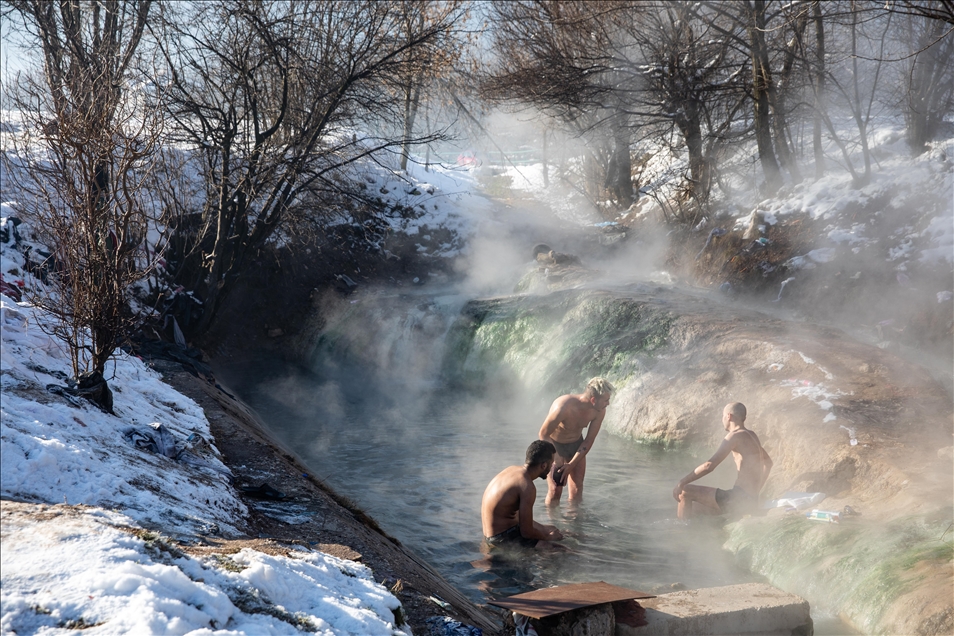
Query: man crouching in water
x=750 y=458
x=506 y=511
x=568 y=416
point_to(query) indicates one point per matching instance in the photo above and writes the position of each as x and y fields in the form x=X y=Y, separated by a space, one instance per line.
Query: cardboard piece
x=563 y=598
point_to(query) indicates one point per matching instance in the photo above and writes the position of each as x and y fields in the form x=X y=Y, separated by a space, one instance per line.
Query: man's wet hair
x=540 y=452
x=599 y=386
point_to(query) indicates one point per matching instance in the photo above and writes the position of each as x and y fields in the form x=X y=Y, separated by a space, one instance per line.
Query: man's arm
x=529 y=529
x=705 y=468
x=554 y=417
x=587 y=445
x=766 y=468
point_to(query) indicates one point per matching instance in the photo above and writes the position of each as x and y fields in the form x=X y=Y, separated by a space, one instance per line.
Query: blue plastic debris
x=447 y=626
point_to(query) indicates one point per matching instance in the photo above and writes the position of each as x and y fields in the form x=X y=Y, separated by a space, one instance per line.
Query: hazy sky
x=13 y=54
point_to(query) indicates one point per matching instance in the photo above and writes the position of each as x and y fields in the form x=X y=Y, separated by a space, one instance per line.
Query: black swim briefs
x=735 y=500
x=511 y=536
x=567 y=451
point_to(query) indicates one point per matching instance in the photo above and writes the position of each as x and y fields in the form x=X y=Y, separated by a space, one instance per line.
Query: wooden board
x=563 y=598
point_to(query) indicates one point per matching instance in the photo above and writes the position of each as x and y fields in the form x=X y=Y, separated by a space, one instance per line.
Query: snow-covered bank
x=55 y=451
x=106 y=567
x=903 y=219
x=87 y=568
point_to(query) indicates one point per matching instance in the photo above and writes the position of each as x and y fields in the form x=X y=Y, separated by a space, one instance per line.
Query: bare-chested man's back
x=751 y=460
x=506 y=510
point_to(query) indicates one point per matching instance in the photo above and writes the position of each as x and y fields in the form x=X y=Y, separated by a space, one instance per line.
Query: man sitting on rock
x=506 y=511
x=751 y=460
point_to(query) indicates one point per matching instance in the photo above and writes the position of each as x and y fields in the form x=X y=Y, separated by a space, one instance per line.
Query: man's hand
x=553 y=534
x=677 y=492
x=559 y=474
x=571 y=465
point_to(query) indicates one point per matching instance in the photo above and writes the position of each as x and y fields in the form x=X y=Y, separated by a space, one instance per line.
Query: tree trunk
x=819 y=92
x=777 y=99
x=623 y=186
x=546 y=176
x=928 y=85
x=699 y=172
x=412 y=99
x=760 y=84
x=427 y=127
x=856 y=106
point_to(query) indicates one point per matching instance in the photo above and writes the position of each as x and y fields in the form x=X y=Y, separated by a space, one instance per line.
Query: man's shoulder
x=734 y=437
x=515 y=476
x=570 y=400
x=744 y=437
x=567 y=398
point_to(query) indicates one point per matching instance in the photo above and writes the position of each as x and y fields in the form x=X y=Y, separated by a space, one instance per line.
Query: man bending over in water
x=568 y=416
x=750 y=458
x=506 y=511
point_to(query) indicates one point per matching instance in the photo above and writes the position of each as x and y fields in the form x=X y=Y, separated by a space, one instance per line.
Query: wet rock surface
x=840 y=417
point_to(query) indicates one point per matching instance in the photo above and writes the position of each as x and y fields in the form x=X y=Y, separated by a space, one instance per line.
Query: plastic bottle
x=831 y=516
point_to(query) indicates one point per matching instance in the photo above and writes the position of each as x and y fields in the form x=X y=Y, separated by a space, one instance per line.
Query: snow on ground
x=77 y=568
x=913 y=197
x=558 y=194
x=98 y=567
x=424 y=199
x=56 y=452
x=73 y=568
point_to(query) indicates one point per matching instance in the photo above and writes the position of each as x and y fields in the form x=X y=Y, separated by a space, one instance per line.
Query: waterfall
x=394 y=341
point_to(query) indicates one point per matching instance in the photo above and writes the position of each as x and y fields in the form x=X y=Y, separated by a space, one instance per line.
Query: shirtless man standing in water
x=750 y=458
x=568 y=416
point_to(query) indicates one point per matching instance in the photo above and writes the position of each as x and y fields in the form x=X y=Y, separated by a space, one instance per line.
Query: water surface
x=420 y=469
x=418 y=462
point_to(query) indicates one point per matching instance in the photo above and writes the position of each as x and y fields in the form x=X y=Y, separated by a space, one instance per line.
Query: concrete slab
x=750 y=608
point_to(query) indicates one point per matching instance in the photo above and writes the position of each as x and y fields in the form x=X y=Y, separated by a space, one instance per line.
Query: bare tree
x=928 y=81
x=80 y=167
x=769 y=35
x=556 y=57
x=424 y=68
x=854 y=74
x=268 y=95
x=762 y=88
x=818 y=87
x=942 y=10
x=691 y=79
x=631 y=69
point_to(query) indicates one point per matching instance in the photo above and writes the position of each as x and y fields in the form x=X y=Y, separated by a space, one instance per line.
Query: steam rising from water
x=419 y=461
x=372 y=414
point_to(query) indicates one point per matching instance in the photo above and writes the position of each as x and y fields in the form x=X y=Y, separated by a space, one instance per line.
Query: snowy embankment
x=902 y=220
x=104 y=564
x=91 y=500
x=77 y=567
